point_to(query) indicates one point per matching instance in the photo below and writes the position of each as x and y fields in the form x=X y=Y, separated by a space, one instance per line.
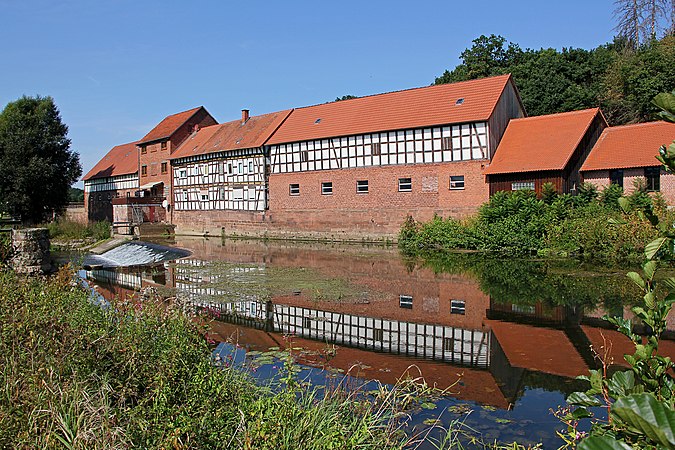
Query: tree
x=488 y=56
x=37 y=166
x=345 y=97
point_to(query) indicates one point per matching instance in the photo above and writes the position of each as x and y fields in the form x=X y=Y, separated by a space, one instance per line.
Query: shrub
x=587 y=193
x=610 y=196
x=548 y=193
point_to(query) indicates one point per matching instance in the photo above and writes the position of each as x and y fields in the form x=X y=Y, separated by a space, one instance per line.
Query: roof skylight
x=460 y=101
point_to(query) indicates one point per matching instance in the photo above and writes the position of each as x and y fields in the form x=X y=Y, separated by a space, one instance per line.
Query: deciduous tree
x=37 y=166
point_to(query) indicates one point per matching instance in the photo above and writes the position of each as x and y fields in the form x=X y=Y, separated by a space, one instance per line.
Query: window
x=327 y=188
x=653 y=176
x=238 y=194
x=128 y=194
x=378 y=334
x=144 y=149
x=460 y=101
x=204 y=195
x=376 y=149
x=250 y=167
x=294 y=189
x=165 y=167
x=456 y=182
x=304 y=156
x=405 y=301
x=522 y=186
x=163 y=145
x=448 y=344
x=457 y=307
x=306 y=322
x=362 y=187
x=405 y=184
x=616 y=177
x=144 y=170
x=446 y=143
x=182 y=173
x=241 y=168
x=229 y=168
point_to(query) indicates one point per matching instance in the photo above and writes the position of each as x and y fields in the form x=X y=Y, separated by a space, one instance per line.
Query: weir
x=134 y=254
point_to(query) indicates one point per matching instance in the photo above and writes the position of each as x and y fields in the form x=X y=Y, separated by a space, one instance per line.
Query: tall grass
x=68 y=229
x=74 y=375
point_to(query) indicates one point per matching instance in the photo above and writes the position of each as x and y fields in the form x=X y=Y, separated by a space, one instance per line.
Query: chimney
x=244 y=116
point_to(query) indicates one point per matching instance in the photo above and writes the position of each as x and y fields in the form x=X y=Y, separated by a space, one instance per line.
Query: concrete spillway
x=134 y=254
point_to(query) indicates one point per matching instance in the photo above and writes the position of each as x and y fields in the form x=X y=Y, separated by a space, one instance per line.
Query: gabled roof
x=412 y=108
x=232 y=135
x=541 y=142
x=169 y=125
x=630 y=146
x=120 y=160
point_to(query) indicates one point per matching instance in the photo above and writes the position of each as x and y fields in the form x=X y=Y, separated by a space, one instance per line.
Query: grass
x=67 y=229
x=140 y=375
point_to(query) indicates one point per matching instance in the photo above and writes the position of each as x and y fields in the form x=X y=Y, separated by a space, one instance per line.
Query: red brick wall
x=383 y=209
x=154 y=156
x=600 y=178
x=215 y=222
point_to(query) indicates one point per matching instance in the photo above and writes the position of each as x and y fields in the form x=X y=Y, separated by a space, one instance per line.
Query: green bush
x=519 y=224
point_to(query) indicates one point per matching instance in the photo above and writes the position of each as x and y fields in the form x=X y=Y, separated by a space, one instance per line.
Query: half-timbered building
x=545 y=149
x=363 y=165
x=220 y=173
x=114 y=176
x=627 y=153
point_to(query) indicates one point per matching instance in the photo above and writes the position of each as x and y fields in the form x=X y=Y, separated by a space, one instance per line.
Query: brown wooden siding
x=503 y=182
x=508 y=107
x=571 y=173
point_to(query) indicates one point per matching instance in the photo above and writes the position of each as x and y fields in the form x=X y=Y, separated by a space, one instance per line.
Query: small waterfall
x=134 y=254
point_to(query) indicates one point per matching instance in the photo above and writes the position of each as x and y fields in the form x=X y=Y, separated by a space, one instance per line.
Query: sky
x=116 y=68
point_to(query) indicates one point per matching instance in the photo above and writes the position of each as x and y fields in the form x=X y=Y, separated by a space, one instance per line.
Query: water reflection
x=510 y=329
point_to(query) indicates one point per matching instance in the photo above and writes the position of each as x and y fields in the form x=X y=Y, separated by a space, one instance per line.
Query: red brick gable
x=542 y=142
x=120 y=160
x=629 y=146
x=467 y=101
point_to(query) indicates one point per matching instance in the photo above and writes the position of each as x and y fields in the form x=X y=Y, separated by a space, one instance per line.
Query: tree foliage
x=37 y=166
x=610 y=76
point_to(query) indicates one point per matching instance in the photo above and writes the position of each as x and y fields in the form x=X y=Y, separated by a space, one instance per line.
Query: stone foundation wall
x=30 y=250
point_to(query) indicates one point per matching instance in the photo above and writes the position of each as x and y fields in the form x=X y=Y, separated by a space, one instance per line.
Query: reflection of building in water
x=406 y=311
x=422 y=340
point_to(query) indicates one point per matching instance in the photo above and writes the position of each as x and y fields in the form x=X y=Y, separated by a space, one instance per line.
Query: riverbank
x=603 y=227
x=141 y=375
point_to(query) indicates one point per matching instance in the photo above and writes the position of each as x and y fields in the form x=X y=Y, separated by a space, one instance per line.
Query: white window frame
x=326 y=188
x=405 y=184
x=457 y=184
x=362 y=186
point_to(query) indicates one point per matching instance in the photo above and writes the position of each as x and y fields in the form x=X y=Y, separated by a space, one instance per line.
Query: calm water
x=506 y=337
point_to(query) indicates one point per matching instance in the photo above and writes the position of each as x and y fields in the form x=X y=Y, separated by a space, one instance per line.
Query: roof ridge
x=542 y=116
x=183 y=112
x=506 y=76
x=639 y=124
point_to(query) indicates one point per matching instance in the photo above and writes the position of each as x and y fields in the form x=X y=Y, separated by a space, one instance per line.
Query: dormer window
x=460 y=101
x=317 y=121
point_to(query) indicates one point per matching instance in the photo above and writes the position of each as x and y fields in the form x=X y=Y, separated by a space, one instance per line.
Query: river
x=506 y=338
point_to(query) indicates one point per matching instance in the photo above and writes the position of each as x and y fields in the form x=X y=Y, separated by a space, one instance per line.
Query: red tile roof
x=120 y=160
x=169 y=125
x=232 y=135
x=541 y=142
x=629 y=146
x=412 y=108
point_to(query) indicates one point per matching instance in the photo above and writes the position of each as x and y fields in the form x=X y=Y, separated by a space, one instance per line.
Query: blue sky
x=115 y=68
